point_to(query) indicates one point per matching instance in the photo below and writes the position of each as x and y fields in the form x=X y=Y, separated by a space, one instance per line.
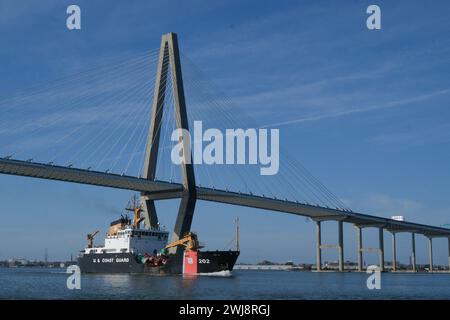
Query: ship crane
x=90 y=238
x=189 y=241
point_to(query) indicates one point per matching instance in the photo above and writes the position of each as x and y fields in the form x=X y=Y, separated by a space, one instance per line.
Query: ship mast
x=237 y=233
x=136 y=208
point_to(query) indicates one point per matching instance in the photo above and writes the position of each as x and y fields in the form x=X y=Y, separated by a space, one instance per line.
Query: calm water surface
x=37 y=283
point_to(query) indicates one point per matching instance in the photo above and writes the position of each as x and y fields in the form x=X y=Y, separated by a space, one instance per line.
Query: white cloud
x=355 y=110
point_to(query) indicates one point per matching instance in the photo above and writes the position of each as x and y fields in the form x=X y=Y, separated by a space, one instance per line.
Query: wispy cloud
x=414 y=136
x=20 y=12
x=323 y=72
x=386 y=205
x=355 y=110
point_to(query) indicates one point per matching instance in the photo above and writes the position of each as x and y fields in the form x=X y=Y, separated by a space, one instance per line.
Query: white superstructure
x=132 y=240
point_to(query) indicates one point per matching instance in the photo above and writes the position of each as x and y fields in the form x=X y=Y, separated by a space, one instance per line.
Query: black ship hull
x=199 y=262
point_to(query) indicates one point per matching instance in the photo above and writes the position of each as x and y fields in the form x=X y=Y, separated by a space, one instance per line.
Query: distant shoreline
x=334 y=268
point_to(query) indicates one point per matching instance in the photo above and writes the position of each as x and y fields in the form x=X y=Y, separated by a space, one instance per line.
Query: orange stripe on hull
x=190 y=262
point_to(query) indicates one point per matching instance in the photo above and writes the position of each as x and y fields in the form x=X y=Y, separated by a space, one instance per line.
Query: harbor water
x=43 y=283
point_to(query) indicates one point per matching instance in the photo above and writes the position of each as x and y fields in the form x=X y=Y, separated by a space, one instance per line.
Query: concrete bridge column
x=341 y=245
x=360 y=251
x=394 y=253
x=430 y=253
x=381 y=247
x=449 y=254
x=318 y=247
x=413 y=255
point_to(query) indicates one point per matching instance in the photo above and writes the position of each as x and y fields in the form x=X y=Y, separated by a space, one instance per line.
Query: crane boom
x=189 y=241
x=90 y=238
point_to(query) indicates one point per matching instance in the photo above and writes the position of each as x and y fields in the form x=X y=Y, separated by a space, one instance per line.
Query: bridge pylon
x=169 y=56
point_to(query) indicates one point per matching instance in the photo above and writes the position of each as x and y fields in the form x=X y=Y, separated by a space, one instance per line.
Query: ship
x=130 y=248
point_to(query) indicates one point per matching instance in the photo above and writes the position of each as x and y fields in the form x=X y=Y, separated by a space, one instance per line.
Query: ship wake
x=225 y=273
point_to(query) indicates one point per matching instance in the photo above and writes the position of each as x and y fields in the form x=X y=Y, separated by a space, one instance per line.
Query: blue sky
x=365 y=111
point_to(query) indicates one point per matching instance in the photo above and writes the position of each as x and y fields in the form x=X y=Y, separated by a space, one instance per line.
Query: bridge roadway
x=159 y=190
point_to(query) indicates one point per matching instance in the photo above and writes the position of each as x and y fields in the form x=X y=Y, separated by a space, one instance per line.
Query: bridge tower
x=169 y=55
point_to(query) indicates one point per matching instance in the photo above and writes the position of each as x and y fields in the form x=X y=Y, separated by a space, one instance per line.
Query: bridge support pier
x=152 y=148
x=430 y=253
x=341 y=245
x=360 y=250
x=381 y=247
x=318 y=247
x=394 y=252
x=449 y=254
x=413 y=254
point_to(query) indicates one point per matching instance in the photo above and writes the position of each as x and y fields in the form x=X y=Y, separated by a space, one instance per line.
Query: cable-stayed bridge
x=100 y=137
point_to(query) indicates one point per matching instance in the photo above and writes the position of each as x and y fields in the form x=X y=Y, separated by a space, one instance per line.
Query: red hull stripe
x=190 y=262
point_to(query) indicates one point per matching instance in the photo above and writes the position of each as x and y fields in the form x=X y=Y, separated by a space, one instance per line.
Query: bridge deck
x=53 y=172
x=166 y=190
